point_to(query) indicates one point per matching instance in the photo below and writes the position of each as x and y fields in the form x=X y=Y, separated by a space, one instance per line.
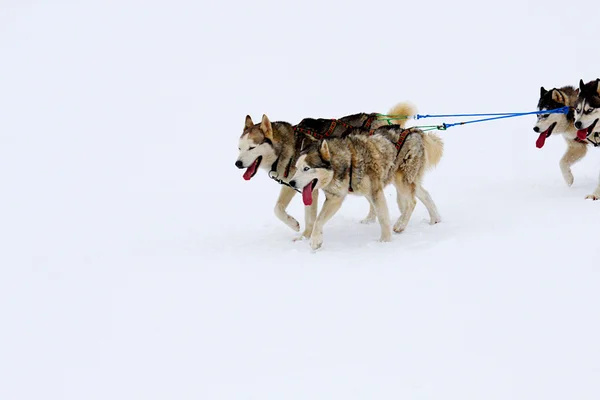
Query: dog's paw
x=316 y=242
x=292 y=223
x=399 y=227
x=368 y=220
x=592 y=197
x=305 y=235
x=385 y=238
x=569 y=179
x=435 y=221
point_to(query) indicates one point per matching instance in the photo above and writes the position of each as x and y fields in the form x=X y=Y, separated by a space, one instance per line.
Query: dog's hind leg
x=425 y=198
x=285 y=197
x=330 y=207
x=310 y=216
x=405 y=193
x=383 y=215
x=370 y=218
x=575 y=152
x=596 y=194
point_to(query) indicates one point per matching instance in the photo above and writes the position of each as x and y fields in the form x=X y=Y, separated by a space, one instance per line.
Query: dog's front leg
x=285 y=197
x=575 y=152
x=310 y=216
x=330 y=207
x=596 y=194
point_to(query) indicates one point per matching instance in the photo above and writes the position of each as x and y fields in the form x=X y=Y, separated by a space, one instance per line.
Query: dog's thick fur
x=263 y=144
x=587 y=115
x=366 y=164
x=560 y=124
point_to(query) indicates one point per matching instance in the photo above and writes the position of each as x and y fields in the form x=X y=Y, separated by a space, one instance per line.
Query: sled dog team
x=362 y=154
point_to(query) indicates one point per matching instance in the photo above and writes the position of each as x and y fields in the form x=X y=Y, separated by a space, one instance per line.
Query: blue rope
x=562 y=110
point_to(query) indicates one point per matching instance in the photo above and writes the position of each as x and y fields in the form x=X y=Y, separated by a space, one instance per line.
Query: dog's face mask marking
x=313 y=171
x=255 y=147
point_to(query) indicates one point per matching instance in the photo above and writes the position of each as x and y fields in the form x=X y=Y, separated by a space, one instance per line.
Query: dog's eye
x=306 y=169
x=578 y=110
x=251 y=148
x=589 y=111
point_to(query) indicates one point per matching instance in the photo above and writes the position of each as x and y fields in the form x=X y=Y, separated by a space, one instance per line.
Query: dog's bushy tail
x=404 y=111
x=434 y=149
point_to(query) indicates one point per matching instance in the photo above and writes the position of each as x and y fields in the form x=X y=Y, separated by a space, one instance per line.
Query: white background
x=136 y=263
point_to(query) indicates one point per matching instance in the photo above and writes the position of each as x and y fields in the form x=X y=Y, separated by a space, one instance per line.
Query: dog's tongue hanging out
x=541 y=140
x=582 y=134
x=250 y=171
x=307 y=194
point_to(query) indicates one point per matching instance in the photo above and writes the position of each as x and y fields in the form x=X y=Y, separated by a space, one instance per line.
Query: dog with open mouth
x=587 y=115
x=364 y=165
x=275 y=147
x=560 y=124
x=587 y=109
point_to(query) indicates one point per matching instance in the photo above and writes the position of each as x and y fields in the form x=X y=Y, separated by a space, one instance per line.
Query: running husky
x=560 y=124
x=587 y=114
x=365 y=165
x=275 y=146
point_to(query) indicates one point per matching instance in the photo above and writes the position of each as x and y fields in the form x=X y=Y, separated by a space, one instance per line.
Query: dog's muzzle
x=239 y=164
x=578 y=124
x=293 y=184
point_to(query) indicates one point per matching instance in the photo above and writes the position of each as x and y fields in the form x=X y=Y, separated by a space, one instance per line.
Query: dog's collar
x=275 y=176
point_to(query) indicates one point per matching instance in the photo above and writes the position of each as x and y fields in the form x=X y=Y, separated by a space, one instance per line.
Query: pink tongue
x=582 y=134
x=307 y=194
x=250 y=171
x=541 y=140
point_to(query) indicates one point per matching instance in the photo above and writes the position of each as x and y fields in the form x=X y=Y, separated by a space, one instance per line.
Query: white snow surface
x=136 y=263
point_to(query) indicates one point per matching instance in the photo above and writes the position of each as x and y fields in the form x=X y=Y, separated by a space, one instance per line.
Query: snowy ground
x=136 y=263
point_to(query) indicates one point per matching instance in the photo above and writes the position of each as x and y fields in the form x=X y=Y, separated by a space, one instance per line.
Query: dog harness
x=321 y=128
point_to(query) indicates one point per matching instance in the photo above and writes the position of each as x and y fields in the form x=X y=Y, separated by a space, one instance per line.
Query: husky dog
x=365 y=165
x=560 y=124
x=587 y=114
x=275 y=146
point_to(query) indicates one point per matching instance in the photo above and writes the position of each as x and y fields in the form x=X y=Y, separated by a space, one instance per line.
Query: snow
x=136 y=263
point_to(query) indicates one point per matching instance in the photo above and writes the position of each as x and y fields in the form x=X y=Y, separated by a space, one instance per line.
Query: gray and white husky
x=364 y=165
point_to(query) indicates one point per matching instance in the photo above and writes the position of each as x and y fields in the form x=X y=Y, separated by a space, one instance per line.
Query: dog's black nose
x=239 y=164
x=578 y=124
x=536 y=129
x=293 y=183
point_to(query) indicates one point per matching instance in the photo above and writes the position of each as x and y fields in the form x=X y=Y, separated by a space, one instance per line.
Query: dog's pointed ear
x=248 y=123
x=558 y=96
x=266 y=127
x=577 y=92
x=581 y=85
x=543 y=91
x=324 y=151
